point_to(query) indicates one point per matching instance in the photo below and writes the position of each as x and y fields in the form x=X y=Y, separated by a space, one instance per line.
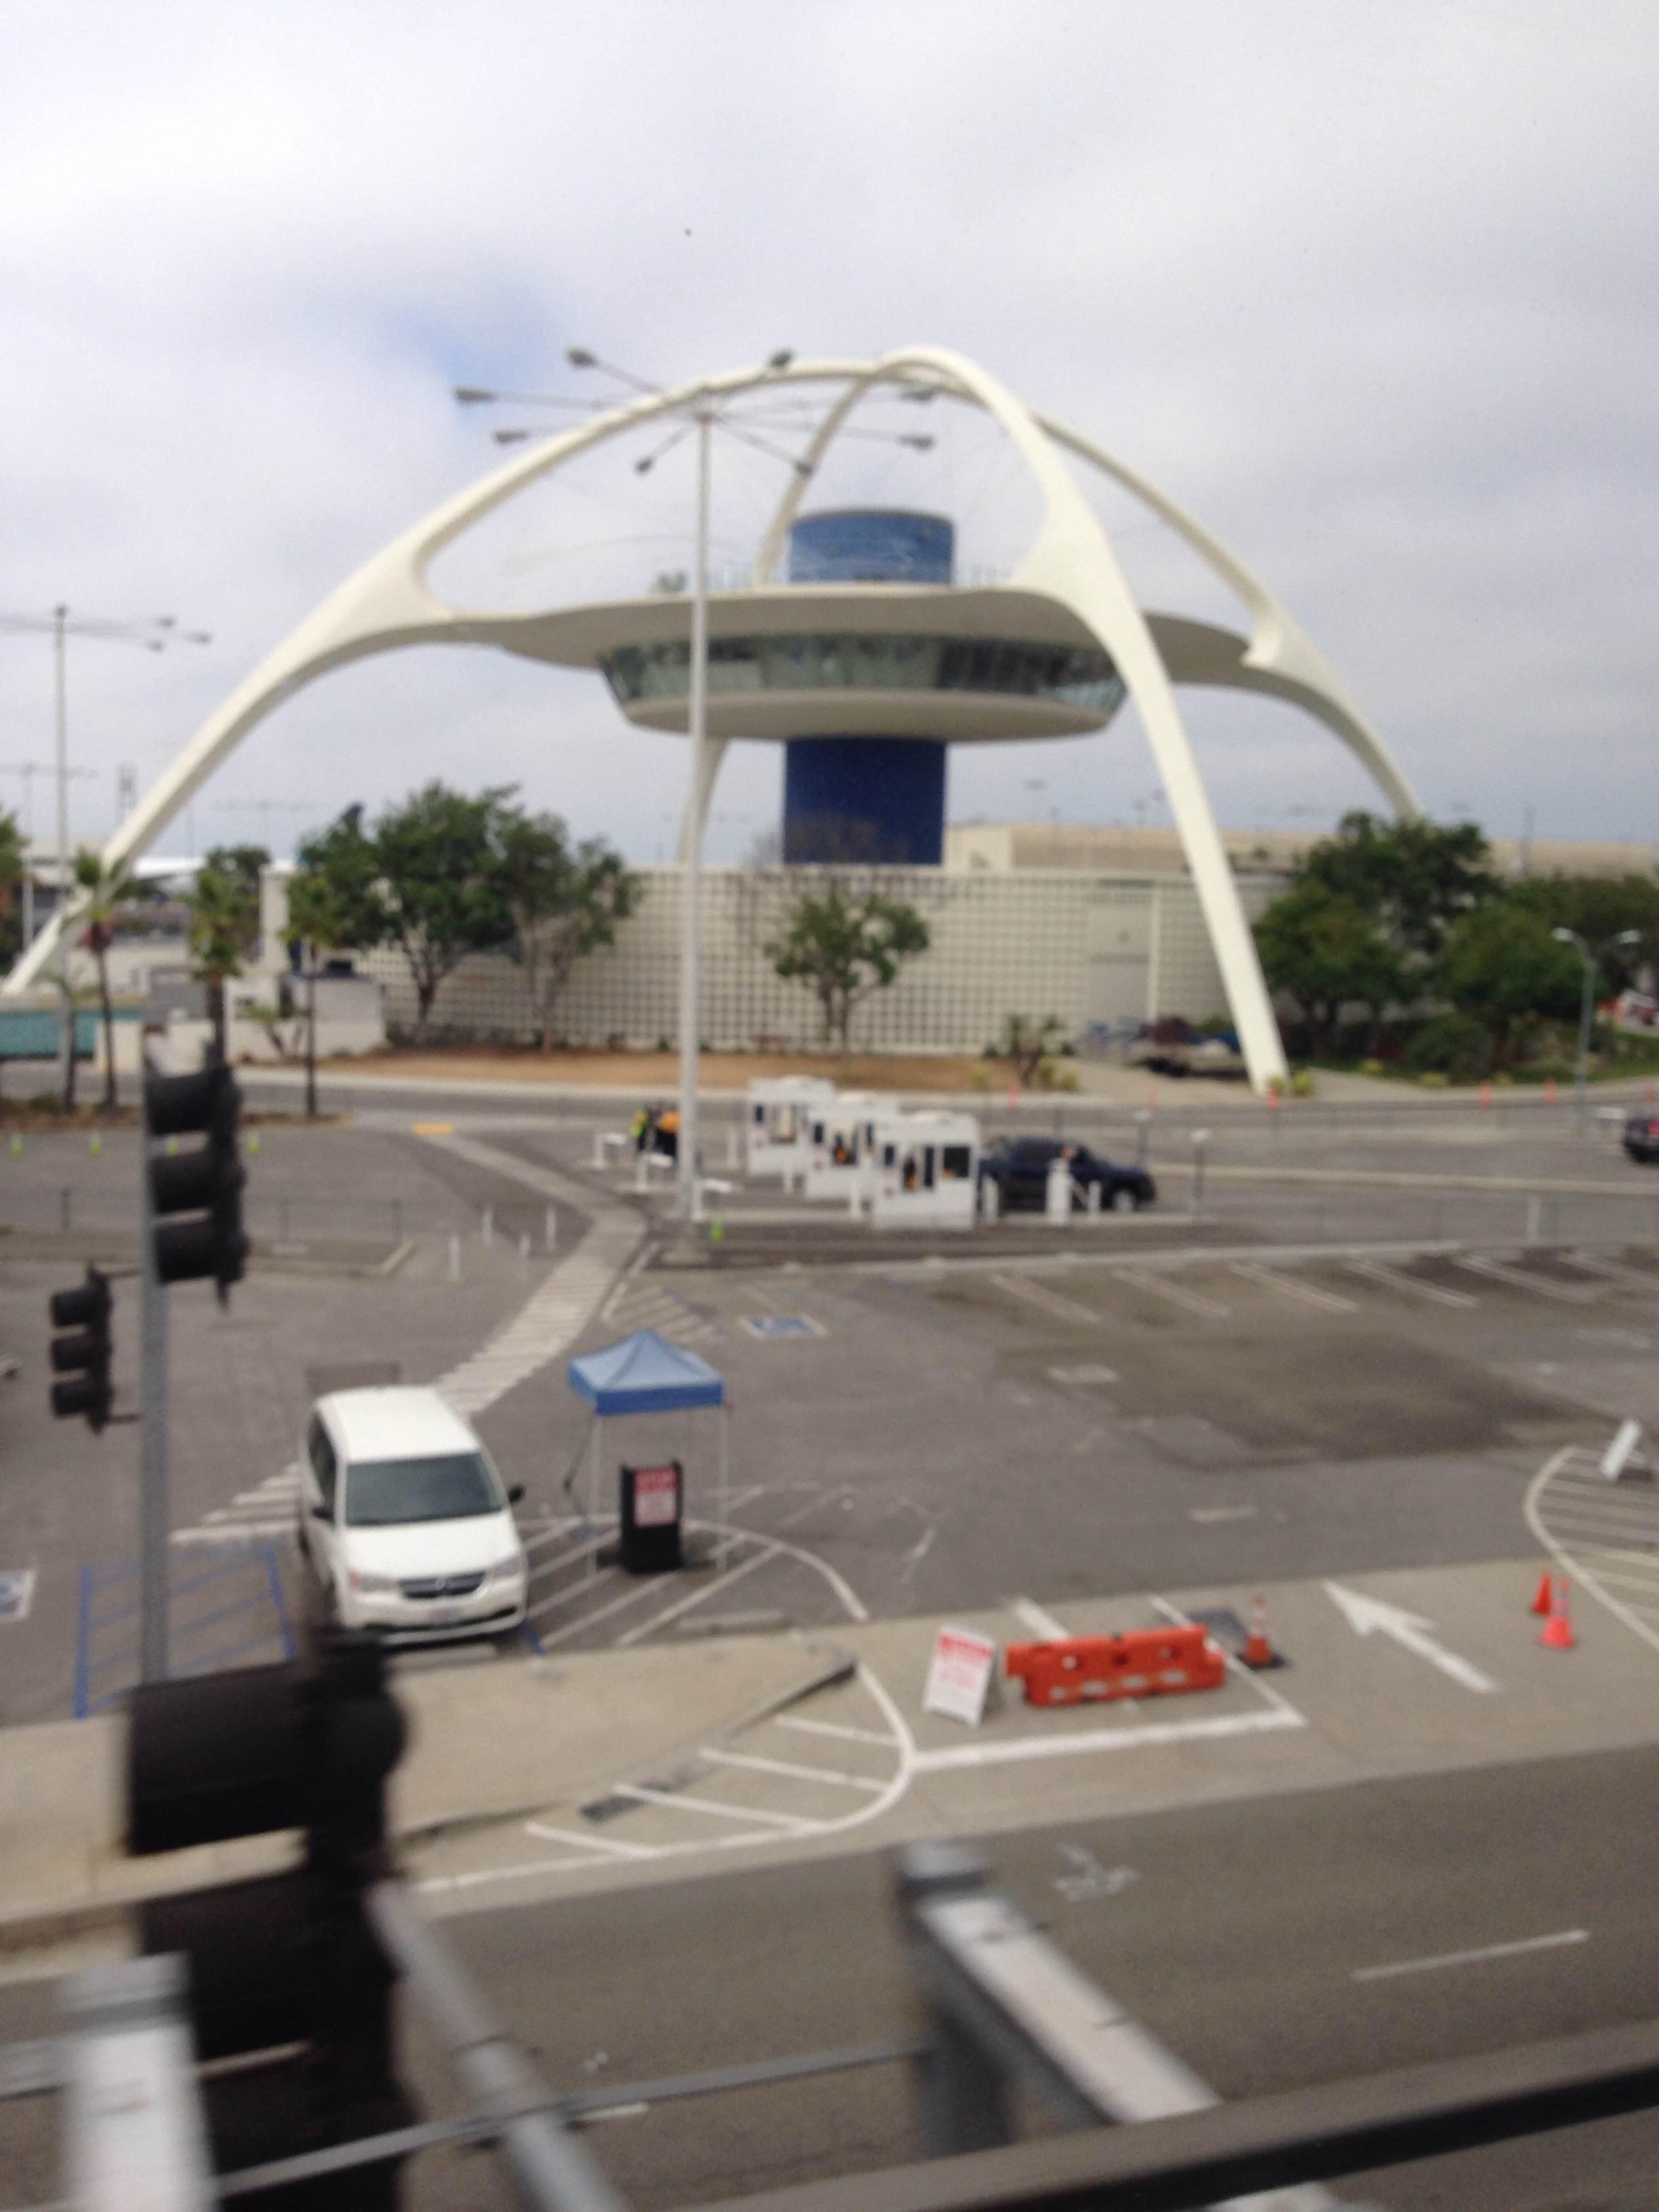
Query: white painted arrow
x=1368 y=1616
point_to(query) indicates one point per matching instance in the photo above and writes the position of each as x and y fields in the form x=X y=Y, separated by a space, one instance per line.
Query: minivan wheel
x=1124 y=1200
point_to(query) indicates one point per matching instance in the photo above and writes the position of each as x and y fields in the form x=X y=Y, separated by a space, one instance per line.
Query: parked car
x=1642 y=1135
x=1018 y=1166
x=404 y=1521
x=1173 y=1047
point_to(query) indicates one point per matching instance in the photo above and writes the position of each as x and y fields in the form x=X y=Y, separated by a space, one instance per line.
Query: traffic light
x=286 y=1964
x=204 y=1186
x=84 y=1349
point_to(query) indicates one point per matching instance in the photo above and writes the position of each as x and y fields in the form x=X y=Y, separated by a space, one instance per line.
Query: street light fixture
x=1592 y=959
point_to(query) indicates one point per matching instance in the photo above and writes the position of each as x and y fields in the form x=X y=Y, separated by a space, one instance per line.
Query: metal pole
x=60 y=757
x=310 y=1036
x=691 y=950
x=551 y=2171
x=29 y=847
x=1580 y=1100
x=153 y=1435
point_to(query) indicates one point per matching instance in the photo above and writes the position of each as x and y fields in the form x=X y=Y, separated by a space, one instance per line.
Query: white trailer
x=926 y=1171
x=777 y=1121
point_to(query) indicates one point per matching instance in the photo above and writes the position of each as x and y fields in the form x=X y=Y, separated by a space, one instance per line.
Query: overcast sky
x=1368 y=285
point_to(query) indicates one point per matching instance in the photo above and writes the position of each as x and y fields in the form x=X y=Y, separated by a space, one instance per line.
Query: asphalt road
x=1248 y=1937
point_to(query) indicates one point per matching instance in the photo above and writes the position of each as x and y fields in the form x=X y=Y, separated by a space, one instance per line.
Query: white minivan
x=404 y=1521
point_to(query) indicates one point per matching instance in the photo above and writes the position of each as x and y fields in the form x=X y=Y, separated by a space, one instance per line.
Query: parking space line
x=1083 y=1742
x=1471 y=1958
x=1043 y=1626
x=603 y=1845
x=1048 y=1301
x=1309 y=1293
x=1236 y=1666
x=789 y=1822
x=1191 y=1301
x=1610 y=1270
x=564 y=1558
x=1378 y=1271
x=832 y=1727
x=795 y=1773
x=1498 y=1271
x=722 y=1583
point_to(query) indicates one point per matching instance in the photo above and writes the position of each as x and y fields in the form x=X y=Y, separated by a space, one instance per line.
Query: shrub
x=1370 y=1068
x=1433 y=1081
x=1455 y=1045
x=1302 y=1084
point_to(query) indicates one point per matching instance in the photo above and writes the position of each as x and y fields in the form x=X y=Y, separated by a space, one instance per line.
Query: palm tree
x=224 y=923
x=108 y=890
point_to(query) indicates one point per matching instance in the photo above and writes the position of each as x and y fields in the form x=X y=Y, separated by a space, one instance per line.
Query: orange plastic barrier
x=1145 y=1663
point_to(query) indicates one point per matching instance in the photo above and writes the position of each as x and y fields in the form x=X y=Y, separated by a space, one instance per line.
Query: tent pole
x=725 y=1455
x=593 y=1498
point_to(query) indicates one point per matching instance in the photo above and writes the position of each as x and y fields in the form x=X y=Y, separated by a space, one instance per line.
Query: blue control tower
x=866 y=797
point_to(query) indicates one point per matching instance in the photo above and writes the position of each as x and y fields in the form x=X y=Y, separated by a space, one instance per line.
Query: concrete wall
x=1087 y=947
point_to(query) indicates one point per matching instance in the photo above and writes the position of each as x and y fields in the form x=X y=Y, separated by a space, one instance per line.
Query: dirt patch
x=658 y=1073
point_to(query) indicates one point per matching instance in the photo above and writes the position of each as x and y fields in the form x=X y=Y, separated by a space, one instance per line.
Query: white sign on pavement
x=1367 y=1616
x=959 y=1679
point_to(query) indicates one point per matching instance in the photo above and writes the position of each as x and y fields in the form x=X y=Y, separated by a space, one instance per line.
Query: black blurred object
x=204 y=1185
x=285 y=1959
x=84 y=1354
x=653 y=1504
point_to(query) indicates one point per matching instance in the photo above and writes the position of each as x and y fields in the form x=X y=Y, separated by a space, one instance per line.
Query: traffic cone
x=1556 y=1632
x=1540 y=1603
x=1258 y=1650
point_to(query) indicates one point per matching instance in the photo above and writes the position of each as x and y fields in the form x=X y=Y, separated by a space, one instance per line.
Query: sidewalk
x=489 y=1739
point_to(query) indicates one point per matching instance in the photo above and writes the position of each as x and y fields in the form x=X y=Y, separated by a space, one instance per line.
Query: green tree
x=1414 y=879
x=330 y=909
x=843 y=946
x=11 y=879
x=107 y=892
x=438 y=883
x=565 y=900
x=1325 y=950
x=224 y=921
x=1501 y=964
x=1599 y=907
x=1027 y=1043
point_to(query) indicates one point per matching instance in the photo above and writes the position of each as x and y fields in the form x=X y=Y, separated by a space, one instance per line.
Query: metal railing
x=1004 y=2010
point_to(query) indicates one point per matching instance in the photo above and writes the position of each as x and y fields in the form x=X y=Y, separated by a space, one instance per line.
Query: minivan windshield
x=455 y=1486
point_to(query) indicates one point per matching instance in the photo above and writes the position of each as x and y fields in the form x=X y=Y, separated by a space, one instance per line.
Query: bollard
x=1091 y=1200
x=641 y=1175
x=524 y=1254
x=454 y=1259
x=487 y=1226
x=1143 y=1135
x=990 y=1198
x=1535 y=1220
x=551 y=1229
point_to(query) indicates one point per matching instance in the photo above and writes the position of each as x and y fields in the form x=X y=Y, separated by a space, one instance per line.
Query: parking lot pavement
x=1410 y=1672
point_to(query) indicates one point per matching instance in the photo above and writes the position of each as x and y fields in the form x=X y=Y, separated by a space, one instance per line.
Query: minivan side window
x=323 y=1463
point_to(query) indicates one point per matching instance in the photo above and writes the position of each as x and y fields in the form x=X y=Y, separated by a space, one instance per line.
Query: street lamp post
x=704 y=414
x=1592 y=959
x=155 y=636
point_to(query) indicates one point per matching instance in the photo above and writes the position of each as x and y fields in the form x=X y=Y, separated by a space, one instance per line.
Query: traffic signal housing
x=286 y=1973
x=82 y=1350
x=196 y=1197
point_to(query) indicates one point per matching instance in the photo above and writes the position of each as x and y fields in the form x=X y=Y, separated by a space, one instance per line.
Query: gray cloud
x=1369 y=289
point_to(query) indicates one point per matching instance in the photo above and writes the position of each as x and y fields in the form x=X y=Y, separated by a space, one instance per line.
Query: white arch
x=387 y=603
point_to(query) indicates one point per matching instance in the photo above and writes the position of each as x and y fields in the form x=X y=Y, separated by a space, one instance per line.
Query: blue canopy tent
x=646 y=1374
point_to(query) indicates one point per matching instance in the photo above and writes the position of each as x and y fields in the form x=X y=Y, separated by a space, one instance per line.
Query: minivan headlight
x=372 y=1585
x=506 y=1570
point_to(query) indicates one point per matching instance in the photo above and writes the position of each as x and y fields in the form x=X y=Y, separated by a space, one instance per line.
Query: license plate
x=444 y=1616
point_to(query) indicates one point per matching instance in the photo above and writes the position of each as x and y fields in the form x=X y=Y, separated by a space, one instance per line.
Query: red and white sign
x=656 y=1496
x=959 y=1679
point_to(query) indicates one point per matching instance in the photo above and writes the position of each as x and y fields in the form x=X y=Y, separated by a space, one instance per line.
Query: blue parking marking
x=770 y=1327
x=240 y=1613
